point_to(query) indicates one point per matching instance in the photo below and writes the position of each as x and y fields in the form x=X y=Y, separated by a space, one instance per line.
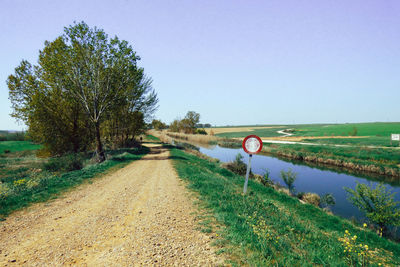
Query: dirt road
x=139 y=215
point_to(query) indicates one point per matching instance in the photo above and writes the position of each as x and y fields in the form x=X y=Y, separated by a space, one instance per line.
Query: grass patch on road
x=271 y=228
x=22 y=181
x=13 y=146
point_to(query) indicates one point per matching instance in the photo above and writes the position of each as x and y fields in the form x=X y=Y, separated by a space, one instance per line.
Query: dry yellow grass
x=167 y=137
x=238 y=129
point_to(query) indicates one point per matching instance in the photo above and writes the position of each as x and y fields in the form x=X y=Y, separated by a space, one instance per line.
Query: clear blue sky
x=235 y=62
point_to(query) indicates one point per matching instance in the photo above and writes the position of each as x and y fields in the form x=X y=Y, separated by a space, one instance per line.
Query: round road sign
x=252 y=144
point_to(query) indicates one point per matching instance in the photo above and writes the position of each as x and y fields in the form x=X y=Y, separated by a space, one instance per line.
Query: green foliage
x=201 y=131
x=357 y=254
x=289 y=177
x=266 y=177
x=12 y=136
x=269 y=228
x=238 y=166
x=66 y=163
x=158 y=125
x=86 y=87
x=378 y=160
x=327 y=200
x=186 y=125
x=377 y=203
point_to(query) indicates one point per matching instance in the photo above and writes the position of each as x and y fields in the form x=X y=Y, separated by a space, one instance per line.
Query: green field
x=271 y=228
x=378 y=129
x=13 y=146
x=269 y=132
x=378 y=133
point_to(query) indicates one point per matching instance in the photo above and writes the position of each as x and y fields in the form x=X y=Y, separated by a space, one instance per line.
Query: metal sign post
x=247 y=175
x=252 y=144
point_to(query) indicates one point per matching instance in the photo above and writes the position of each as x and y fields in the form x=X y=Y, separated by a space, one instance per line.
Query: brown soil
x=138 y=215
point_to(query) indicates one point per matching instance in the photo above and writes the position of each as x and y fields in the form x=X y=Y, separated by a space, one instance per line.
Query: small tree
x=377 y=204
x=238 y=166
x=289 y=177
x=327 y=200
x=174 y=126
x=266 y=177
x=158 y=125
x=188 y=124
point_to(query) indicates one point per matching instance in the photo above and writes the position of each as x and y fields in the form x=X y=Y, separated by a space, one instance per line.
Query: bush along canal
x=309 y=179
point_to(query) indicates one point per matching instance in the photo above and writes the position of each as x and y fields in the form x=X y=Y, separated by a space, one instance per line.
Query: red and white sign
x=252 y=144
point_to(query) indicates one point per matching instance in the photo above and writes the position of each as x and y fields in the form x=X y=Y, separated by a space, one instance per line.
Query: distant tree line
x=12 y=136
x=86 y=89
x=189 y=124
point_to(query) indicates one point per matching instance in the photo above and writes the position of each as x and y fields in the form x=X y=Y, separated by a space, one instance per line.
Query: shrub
x=377 y=203
x=4 y=190
x=266 y=178
x=327 y=200
x=237 y=166
x=289 y=177
x=201 y=131
x=66 y=163
x=7 y=151
x=311 y=198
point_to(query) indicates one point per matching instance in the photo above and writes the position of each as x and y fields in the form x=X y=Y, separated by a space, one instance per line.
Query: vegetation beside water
x=275 y=229
x=25 y=178
x=375 y=160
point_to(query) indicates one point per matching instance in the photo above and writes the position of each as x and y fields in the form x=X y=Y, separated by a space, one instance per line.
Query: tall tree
x=95 y=78
x=190 y=121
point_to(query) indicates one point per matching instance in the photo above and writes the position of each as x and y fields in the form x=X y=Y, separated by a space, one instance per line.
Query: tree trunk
x=75 y=137
x=100 y=152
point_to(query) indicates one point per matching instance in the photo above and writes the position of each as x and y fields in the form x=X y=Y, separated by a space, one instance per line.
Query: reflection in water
x=309 y=179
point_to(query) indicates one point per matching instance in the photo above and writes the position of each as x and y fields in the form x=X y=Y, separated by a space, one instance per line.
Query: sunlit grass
x=272 y=228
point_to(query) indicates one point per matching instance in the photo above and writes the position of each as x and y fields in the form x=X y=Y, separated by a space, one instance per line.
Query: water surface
x=309 y=179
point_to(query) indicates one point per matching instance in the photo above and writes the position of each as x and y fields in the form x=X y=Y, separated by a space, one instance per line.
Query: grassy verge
x=12 y=146
x=151 y=138
x=274 y=229
x=23 y=183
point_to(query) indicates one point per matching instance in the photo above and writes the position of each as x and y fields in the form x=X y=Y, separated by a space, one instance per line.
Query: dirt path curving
x=139 y=215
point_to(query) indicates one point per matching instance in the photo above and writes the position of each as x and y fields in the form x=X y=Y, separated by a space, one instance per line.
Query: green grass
x=369 y=141
x=383 y=129
x=386 y=156
x=272 y=228
x=378 y=133
x=23 y=183
x=13 y=146
x=152 y=138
